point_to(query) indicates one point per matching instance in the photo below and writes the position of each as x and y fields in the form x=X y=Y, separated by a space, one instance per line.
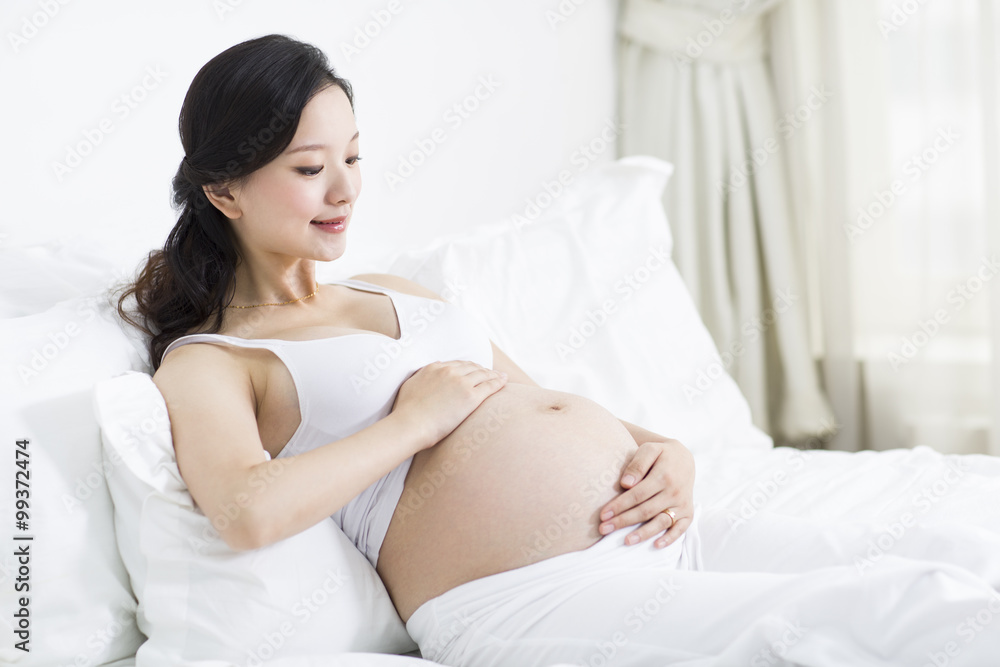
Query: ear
x=223 y=199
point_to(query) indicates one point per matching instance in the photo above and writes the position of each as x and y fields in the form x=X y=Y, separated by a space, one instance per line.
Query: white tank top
x=348 y=382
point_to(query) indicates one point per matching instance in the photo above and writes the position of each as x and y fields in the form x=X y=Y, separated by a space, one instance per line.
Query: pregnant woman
x=511 y=524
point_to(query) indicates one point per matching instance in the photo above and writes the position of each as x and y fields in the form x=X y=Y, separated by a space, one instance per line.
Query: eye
x=352 y=160
x=309 y=171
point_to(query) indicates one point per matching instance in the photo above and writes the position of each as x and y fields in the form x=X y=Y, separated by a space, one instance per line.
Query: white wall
x=69 y=74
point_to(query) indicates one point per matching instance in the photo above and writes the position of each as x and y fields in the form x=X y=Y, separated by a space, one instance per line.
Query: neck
x=273 y=281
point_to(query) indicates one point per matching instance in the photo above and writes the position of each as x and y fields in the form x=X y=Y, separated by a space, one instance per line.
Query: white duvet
x=828 y=487
x=797 y=509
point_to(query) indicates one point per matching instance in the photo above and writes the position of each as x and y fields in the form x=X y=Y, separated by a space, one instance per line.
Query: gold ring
x=672 y=515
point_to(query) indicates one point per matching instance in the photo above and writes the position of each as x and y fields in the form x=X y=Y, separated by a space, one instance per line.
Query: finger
x=640 y=511
x=633 y=497
x=457 y=365
x=491 y=386
x=656 y=525
x=483 y=390
x=641 y=462
x=461 y=369
x=674 y=532
x=482 y=375
x=471 y=365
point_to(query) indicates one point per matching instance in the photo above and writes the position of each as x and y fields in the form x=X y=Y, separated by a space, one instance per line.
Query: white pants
x=780 y=591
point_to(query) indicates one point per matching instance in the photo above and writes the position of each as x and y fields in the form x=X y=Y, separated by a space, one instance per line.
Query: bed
x=121 y=568
x=124 y=569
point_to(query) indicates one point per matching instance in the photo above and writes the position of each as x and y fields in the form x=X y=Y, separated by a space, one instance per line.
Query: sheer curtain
x=892 y=198
x=989 y=29
x=696 y=90
x=894 y=185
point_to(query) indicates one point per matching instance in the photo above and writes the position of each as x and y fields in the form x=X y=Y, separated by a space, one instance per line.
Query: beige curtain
x=989 y=28
x=895 y=185
x=696 y=90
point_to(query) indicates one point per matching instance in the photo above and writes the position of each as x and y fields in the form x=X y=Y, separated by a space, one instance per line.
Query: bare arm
x=253 y=502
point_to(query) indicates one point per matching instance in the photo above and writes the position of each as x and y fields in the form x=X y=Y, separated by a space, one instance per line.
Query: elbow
x=241 y=540
x=243 y=532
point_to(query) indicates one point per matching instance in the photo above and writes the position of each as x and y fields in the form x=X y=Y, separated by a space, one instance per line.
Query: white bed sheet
x=868 y=486
x=868 y=507
x=892 y=558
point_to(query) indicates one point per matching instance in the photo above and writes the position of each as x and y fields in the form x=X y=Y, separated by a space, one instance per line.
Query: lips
x=332 y=226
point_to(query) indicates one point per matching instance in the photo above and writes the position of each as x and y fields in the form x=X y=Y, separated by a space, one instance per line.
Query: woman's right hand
x=440 y=395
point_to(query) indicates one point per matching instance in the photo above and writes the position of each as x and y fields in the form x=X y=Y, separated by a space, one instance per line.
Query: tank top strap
x=363 y=285
x=400 y=300
x=215 y=338
x=271 y=343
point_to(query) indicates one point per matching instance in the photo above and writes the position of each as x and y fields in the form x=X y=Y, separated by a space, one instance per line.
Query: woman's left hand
x=659 y=477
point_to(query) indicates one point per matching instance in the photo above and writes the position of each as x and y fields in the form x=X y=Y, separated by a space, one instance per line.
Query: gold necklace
x=283 y=303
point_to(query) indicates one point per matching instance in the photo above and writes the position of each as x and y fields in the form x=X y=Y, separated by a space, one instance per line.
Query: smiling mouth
x=331 y=221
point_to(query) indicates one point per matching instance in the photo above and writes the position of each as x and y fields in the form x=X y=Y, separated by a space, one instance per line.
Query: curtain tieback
x=692 y=35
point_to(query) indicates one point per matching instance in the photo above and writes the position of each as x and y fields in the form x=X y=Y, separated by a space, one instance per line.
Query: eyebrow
x=316 y=147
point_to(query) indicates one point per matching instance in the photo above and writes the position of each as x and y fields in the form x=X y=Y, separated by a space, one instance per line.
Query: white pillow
x=36 y=277
x=313 y=593
x=584 y=297
x=81 y=608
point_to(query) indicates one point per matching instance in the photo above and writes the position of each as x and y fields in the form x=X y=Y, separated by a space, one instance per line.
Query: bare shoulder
x=397 y=283
x=209 y=392
x=198 y=364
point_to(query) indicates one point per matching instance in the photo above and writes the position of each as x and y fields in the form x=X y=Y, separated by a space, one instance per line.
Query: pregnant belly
x=520 y=480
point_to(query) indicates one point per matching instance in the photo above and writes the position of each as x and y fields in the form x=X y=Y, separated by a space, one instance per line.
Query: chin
x=329 y=255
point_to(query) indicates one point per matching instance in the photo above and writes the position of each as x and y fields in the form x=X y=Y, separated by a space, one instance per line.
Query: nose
x=344 y=186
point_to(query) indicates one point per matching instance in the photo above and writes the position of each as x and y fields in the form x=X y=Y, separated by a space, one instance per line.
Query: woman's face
x=316 y=178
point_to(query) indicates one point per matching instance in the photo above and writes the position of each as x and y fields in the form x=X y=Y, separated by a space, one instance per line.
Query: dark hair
x=241 y=112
